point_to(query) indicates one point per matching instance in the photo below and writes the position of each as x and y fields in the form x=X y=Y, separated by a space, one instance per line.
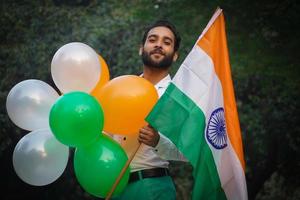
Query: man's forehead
x=162 y=32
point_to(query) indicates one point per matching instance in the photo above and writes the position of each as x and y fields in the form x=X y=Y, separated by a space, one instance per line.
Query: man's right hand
x=149 y=136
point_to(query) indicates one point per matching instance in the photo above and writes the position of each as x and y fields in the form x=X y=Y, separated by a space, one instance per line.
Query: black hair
x=168 y=25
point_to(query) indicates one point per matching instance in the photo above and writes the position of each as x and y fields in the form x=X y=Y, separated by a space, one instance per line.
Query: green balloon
x=76 y=119
x=98 y=165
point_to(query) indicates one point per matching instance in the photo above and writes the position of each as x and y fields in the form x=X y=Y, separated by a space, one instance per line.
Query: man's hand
x=148 y=135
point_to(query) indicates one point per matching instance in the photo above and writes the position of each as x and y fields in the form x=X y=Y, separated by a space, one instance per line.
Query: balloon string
x=122 y=173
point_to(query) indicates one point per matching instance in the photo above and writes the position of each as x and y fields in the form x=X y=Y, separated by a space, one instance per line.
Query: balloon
x=29 y=102
x=104 y=78
x=76 y=119
x=39 y=159
x=129 y=143
x=75 y=66
x=126 y=101
x=98 y=165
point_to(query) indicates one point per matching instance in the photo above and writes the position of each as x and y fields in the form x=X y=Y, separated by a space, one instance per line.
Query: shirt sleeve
x=167 y=150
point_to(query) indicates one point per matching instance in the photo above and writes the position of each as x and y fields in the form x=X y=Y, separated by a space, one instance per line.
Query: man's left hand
x=149 y=136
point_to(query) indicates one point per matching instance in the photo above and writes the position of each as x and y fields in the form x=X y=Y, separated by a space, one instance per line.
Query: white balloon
x=29 y=103
x=39 y=159
x=75 y=67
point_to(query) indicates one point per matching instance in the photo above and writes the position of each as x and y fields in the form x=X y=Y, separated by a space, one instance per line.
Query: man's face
x=158 y=50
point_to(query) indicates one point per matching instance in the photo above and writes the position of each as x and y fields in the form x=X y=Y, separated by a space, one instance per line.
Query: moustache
x=157 y=51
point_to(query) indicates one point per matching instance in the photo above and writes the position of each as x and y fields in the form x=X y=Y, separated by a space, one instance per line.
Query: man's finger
x=144 y=136
x=144 y=141
x=146 y=131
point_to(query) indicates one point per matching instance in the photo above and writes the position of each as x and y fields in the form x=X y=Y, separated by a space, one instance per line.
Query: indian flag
x=198 y=113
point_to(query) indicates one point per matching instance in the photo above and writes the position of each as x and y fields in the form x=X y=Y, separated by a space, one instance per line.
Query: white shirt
x=149 y=157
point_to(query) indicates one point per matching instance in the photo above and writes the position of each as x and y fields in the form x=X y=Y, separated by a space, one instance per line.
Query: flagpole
x=122 y=173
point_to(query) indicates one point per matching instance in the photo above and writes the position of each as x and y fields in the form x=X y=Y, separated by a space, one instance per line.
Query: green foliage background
x=263 y=40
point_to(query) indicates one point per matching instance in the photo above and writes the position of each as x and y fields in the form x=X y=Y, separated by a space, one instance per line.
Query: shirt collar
x=163 y=83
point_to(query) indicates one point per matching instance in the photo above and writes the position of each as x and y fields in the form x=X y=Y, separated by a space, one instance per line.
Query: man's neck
x=154 y=75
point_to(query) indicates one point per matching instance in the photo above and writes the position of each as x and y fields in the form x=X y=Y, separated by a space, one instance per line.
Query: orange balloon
x=129 y=144
x=104 y=77
x=126 y=101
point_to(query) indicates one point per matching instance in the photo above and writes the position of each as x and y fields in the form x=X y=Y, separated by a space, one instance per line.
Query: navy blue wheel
x=216 y=129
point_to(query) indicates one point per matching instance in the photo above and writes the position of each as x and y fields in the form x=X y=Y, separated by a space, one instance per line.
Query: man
x=149 y=178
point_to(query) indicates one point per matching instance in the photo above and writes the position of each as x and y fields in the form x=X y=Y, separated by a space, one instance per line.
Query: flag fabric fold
x=198 y=114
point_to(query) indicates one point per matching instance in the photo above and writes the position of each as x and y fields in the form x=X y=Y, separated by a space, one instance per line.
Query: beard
x=165 y=63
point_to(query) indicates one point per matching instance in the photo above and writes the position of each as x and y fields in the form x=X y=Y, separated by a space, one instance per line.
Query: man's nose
x=158 y=43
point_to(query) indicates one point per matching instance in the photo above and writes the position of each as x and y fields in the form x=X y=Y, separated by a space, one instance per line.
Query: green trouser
x=159 y=188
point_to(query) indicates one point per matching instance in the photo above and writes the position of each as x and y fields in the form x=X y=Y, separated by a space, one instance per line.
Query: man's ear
x=140 y=50
x=175 y=57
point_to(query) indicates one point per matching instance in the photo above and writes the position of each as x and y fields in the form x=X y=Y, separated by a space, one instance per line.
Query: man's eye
x=167 y=43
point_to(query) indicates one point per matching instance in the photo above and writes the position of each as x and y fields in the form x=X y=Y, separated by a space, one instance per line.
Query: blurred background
x=263 y=40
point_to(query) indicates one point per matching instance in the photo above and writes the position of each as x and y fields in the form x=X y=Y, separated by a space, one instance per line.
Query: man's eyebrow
x=152 y=35
x=165 y=37
x=168 y=38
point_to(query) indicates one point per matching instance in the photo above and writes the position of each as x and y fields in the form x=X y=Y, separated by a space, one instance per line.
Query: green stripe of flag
x=183 y=122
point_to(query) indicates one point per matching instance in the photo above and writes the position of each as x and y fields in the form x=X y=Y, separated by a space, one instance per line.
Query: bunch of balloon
x=76 y=118
x=38 y=158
